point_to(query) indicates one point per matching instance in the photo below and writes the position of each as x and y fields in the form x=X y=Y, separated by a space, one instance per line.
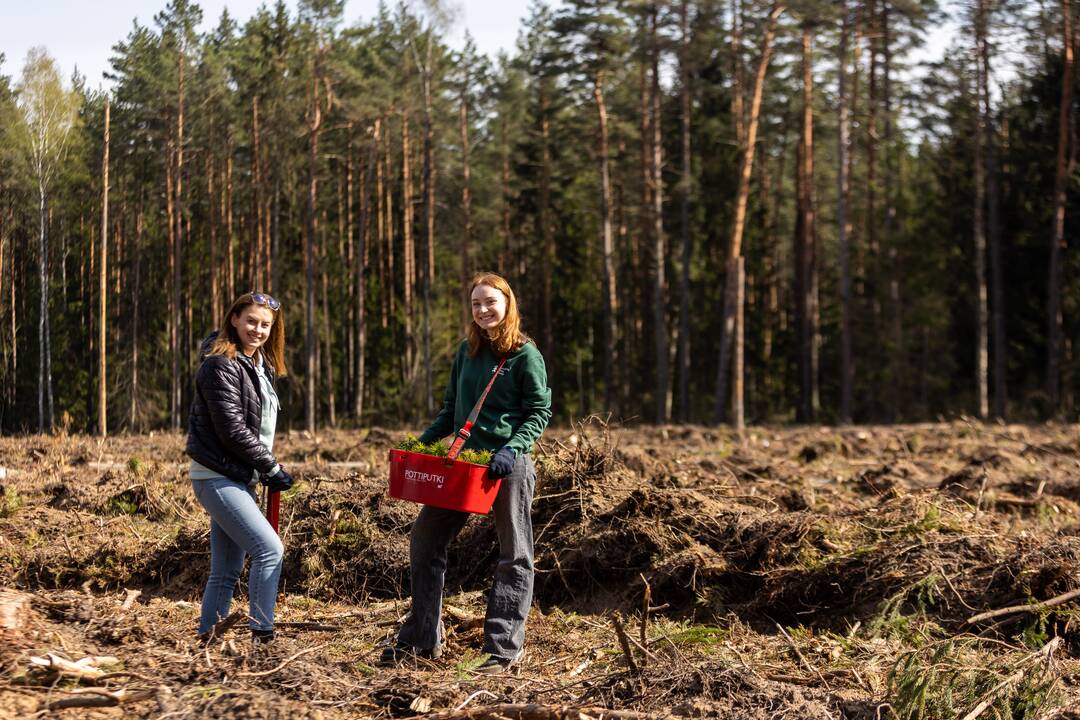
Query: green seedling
x=10 y=502
x=465 y=667
x=945 y=681
x=439 y=448
x=136 y=466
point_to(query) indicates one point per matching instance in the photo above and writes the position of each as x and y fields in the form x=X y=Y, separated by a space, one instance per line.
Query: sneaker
x=399 y=652
x=495 y=665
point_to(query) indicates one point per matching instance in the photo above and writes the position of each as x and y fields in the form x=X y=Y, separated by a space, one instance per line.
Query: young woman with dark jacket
x=512 y=418
x=230 y=442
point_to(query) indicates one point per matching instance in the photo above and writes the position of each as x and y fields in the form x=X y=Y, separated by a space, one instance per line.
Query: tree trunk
x=607 y=240
x=136 y=260
x=746 y=165
x=328 y=334
x=997 y=288
x=685 y=189
x=407 y=239
x=1057 y=241
x=504 y=194
x=227 y=209
x=897 y=361
x=391 y=278
x=738 y=413
x=311 y=366
x=212 y=211
x=981 y=311
x=804 y=244
x=430 y=174
x=843 y=222
x=547 y=237
x=738 y=111
x=660 y=330
x=177 y=385
x=466 y=198
x=872 y=263
x=256 y=279
x=361 y=276
x=44 y=420
x=103 y=282
x=347 y=250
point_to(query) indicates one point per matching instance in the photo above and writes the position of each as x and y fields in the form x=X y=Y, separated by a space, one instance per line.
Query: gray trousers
x=511 y=593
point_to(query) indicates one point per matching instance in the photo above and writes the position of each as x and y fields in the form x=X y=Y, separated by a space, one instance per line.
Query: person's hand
x=279 y=481
x=502 y=463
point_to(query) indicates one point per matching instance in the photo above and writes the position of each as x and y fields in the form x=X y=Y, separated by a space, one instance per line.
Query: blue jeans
x=237 y=529
x=512 y=589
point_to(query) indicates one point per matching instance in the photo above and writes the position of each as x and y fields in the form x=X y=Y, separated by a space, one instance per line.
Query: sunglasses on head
x=264 y=299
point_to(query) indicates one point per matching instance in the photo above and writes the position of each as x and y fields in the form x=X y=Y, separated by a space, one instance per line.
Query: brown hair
x=228 y=340
x=506 y=336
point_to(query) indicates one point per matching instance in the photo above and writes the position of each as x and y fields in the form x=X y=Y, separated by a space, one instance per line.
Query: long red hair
x=507 y=335
x=228 y=340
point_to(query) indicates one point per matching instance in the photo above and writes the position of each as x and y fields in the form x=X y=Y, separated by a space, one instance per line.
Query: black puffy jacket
x=223 y=429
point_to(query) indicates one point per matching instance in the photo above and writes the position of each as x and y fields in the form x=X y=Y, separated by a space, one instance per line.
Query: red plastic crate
x=444 y=483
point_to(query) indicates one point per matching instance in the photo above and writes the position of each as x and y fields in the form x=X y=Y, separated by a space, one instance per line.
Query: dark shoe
x=496 y=665
x=399 y=652
x=262 y=636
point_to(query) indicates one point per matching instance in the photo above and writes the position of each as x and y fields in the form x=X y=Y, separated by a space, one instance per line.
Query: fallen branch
x=802 y=658
x=539 y=712
x=1032 y=608
x=475 y=695
x=101 y=697
x=283 y=663
x=226 y=624
x=84 y=669
x=315 y=626
x=1045 y=653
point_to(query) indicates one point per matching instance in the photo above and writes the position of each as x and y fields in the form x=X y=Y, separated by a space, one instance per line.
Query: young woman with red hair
x=512 y=418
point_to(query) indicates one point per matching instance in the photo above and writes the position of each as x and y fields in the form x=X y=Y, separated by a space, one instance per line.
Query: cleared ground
x=686 y=571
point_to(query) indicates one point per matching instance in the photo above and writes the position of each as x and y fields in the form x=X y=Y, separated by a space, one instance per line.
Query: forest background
x=711 y=211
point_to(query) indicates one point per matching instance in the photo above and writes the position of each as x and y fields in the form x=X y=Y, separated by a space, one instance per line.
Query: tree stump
x=14 y=616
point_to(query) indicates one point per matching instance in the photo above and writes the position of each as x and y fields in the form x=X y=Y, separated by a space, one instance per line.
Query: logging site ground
x=915 y=571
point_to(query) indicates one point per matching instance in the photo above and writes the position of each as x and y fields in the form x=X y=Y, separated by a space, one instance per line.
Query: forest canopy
x=710 y=211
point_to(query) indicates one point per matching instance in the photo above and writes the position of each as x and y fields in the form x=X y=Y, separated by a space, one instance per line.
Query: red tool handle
x=273 y=509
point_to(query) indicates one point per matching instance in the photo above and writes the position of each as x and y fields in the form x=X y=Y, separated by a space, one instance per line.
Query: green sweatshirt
x=516 y=410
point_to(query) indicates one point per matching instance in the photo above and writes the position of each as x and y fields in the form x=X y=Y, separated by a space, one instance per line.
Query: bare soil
x=681 y=572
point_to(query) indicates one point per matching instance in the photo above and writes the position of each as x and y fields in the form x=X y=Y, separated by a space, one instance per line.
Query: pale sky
x=82 y=32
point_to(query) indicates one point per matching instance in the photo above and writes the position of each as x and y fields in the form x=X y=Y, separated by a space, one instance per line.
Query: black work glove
x=279 y=481
x=502 y=463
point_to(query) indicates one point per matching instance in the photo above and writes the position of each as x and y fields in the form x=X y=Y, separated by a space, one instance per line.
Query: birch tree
x=49 y=115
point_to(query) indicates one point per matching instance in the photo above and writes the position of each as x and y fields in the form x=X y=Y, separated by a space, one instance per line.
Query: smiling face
x=253 y=325
x=488 y=307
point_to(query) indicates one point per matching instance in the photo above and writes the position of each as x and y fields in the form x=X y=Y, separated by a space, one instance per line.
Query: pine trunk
x=897 y=361
x=843 y=222
x=311 y=366
x=982 y=387
x=746 y=165
x=683 y=412
x=660 y=329
x=103 y=282
x=607 y=240
x=1057 y=241
x=407 y=239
